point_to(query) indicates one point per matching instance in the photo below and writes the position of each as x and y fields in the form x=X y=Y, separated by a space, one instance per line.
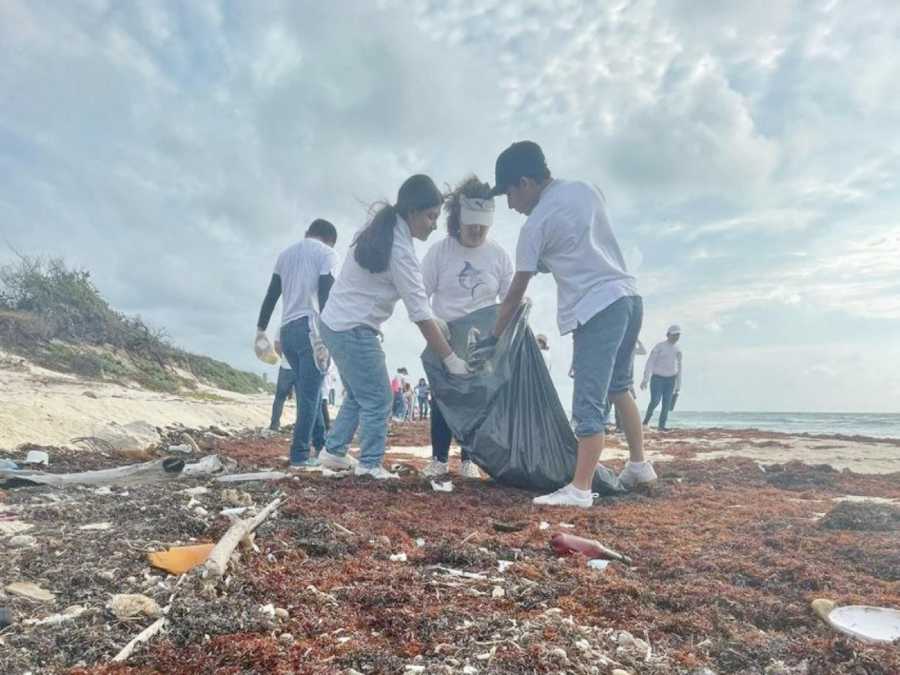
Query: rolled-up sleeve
x=407 y=277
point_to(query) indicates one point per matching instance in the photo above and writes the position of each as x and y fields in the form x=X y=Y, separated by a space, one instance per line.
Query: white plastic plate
x=874 y=624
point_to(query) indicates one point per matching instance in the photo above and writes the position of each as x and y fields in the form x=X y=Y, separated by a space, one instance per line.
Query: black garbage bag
x=509 y=414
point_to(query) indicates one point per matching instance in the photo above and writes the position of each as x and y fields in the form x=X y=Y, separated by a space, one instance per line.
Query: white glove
x=455 y=365
x=321 y=355
x=263 y=348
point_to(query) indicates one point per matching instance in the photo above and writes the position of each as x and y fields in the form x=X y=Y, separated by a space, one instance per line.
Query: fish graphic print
x=470 y=278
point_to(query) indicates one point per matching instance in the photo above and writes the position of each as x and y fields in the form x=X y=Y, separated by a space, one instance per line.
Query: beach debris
x=96 y=526
x=258 y=475
x=134 y=436
x=6 y=617
x=8 y=464
x=566 y=544
x=22 y=541
x=145 y=472
x=629 y=646
x=37 y=457
x=544 y=525
x=132 y=605
x=32 y=591
x=282 y=613
x=180 y=559
x=398 y=557
x=207 y=466
x=8 y=527
x=267 y=610
x=870 y=624
x=567 y=526
x=183 y=449
x=503 y=565
x=497 y=592
x=236 y=497
x=196 y=491
x=69 y=614
x=420 y=542
x=509 y=527
x=234 y=511
x=446 y=486
x=218 y=559
x=598 y=564
x=143 y=636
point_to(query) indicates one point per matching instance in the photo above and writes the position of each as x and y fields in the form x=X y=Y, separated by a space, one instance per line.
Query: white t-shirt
x=665 y=360
x=300 y=267
x=460 y=280
x=569 y=235
x=361 y=298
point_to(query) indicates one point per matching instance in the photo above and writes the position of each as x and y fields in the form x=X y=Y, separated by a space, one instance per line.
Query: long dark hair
x=372 y=248
x=471 y=187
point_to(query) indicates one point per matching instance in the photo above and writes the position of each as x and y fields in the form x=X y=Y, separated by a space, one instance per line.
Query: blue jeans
x=307 y=389
x=368 y=400
x=604 y=362
x=661 y=389
x=282 y=389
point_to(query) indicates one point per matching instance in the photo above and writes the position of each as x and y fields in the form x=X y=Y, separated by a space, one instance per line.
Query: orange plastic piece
x=180 y=559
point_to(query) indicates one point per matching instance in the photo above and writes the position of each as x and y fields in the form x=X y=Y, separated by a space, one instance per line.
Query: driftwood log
x=218 y=559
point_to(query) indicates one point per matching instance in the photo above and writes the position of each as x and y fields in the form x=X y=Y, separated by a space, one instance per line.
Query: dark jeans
x=399 y=405
x=423 y=407
x=661 y=389
x=307 y=389
x=283 y=388
x=326 y=416
x=441 y=436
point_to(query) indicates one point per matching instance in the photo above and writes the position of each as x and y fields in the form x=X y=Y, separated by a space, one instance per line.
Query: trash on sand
x=544 y=525
x=497 y=592
x=503 y=565
x=870 y=624
x=180 y=559
x=206 y=466
x=37 y=457
x=183 y=449
x=510 y=527
x=26 y=589
x=236 y=497
x=96 y=526
x=235 y=511
x=398 y=557
x=8 y=464
x=132 y=605
x=598 y=564
x=6 y=618
x=268 y=610
x=145 y=472
x=195 y=491
x=420 y=542
x=566 y=544
x=446 y=486
x=69 y=614
x=568 y=526
x=259 y=475
x=8 y=527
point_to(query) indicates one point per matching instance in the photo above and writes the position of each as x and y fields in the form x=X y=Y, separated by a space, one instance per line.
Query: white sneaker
x=637 y=474
x=469 y=470
x=568 y=495
x=336 y=462
x=376 y=472
x=435 y=469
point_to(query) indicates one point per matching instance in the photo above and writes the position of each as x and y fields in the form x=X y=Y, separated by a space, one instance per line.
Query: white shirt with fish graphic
x=460 y=280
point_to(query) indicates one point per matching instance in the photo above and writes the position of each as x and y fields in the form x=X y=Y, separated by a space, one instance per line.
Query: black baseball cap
x=524 y=158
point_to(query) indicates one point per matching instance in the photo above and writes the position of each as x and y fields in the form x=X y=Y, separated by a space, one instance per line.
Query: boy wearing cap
x=568 y=234
x=663 y=372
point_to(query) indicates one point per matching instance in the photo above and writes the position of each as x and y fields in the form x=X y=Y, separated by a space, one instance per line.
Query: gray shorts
x=604 y=361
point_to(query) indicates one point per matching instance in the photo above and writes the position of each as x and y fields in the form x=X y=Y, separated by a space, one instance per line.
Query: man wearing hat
x=568 y=234
x=663 y=372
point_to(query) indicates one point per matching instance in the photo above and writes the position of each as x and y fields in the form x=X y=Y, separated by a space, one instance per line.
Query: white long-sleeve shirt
x=665 y=361
x=361 y=298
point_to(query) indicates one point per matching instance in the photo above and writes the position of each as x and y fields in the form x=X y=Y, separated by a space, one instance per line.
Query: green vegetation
x=55 y=317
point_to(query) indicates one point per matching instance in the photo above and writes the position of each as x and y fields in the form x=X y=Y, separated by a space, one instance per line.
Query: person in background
x=326 y=414
x=568 y=234
x=422 y=395
x=663 y=371
x=409 y=400
x=464 y=272
x=283 y=388
x=331 y=381
x=380 y=269
x=544 y=345
x=397 y=397
x=303 y=276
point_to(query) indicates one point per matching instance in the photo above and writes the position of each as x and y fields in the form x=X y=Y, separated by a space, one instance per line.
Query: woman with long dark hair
x=380 y=269
x=463 y=273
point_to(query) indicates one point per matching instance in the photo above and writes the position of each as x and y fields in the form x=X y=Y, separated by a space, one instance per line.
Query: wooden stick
x=218 y=559
x=143 y=636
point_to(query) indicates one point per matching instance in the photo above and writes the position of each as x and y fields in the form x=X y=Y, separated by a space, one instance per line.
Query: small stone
x=469 y=670
x=268 y=610
x=286 y=639
x=22 y=541
x=200 y=511
x=196 y=491
x=398 y=557
x=130 y=605
x=414 y=669
x=282 y=613
x=559 y=653
x=236 y=497
x=384 y=541
x=498 y=592
x=583 y=645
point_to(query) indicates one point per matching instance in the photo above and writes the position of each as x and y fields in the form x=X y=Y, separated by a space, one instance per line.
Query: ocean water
x=879 y=425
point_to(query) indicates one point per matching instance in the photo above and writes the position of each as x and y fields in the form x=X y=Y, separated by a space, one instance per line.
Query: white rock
x=398 y=557
x=26 y=589
x=282 y=613
x=268 y=610
x=559 y=653
x=583 y=645
x=183 y=449
x=286 y=638
x=498 y=592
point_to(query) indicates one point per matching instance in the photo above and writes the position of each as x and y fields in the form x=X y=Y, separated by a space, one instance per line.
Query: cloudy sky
x=750 y=154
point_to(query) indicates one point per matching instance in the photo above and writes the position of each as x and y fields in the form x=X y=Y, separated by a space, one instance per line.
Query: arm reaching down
x=439 y=345
x=268 y=305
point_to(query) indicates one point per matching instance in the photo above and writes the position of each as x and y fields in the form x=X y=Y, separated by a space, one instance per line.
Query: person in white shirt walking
x=568 y=234
x=380 y=269
x=302 y=278
x=663 y=371
x=464 y=272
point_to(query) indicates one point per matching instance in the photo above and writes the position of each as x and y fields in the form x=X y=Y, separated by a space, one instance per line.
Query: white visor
x=476 y=211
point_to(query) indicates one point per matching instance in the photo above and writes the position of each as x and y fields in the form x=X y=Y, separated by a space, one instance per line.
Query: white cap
x=674 y=329
x=475 y=211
